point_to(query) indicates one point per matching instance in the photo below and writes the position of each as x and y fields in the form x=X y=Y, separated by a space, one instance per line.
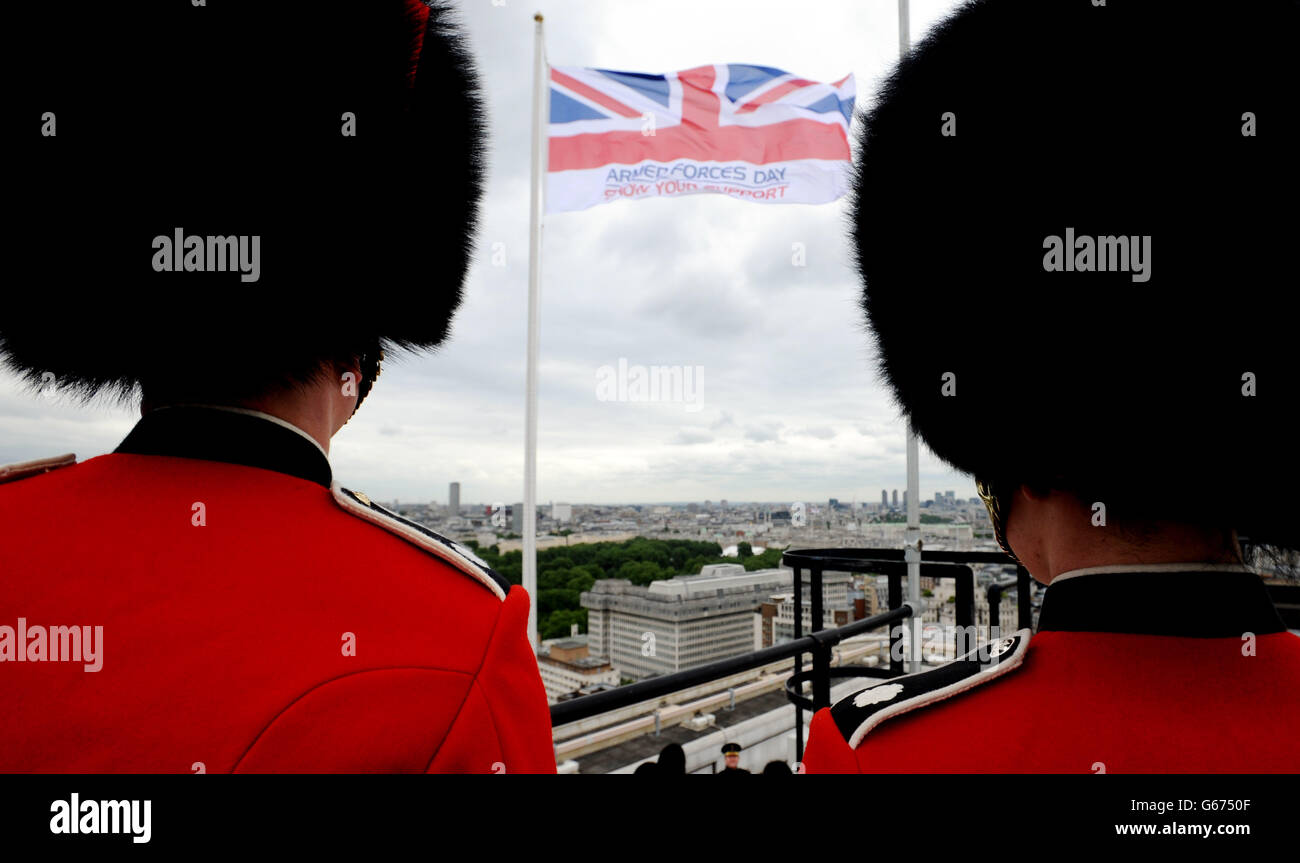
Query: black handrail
x=865 y=559
x=612 y=699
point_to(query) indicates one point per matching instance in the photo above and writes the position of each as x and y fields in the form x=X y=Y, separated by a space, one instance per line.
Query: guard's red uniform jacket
x=237 y=612
x=1145 y=670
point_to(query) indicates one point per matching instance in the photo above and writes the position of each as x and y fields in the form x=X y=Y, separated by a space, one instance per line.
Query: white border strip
x=1151 y=567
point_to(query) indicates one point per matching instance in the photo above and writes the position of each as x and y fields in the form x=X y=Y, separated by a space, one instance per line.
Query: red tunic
x=284 y=633
x=1136 y=672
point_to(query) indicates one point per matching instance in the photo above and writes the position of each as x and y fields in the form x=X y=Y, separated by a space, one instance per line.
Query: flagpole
x=912 y=542
x=541 y=98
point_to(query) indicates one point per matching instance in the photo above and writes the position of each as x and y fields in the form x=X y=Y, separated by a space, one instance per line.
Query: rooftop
x=649 y=745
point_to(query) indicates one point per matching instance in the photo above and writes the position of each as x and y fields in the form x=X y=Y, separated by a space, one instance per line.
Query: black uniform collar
x=233 y=435
x=1190 y=600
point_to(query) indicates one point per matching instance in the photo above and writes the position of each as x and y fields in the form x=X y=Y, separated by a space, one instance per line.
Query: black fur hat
x=1163 y=386
x=347 y=137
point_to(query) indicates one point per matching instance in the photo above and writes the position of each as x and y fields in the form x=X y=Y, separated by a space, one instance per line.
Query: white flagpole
x=541 y=113
x=912 y=543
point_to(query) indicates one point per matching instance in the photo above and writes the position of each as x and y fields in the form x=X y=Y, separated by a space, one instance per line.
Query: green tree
x=556 y=600
x=640 y=572
x=580 y=580
x=769 y=559
x=557 y=624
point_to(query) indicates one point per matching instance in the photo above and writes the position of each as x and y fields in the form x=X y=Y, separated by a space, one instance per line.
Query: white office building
x=678 y=623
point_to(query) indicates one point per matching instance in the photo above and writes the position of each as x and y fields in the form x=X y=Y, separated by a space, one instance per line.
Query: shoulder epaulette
x=857 y=714
x=447 y=550
x=24 y=469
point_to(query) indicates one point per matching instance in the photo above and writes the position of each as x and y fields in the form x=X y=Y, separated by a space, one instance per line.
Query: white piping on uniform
x=1153 y=567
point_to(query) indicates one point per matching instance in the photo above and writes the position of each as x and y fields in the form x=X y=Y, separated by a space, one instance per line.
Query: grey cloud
x=687 y=438
x=763 y=434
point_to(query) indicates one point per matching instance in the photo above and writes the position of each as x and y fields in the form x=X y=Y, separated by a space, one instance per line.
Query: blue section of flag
x=832 y=103
x=651 y=86
x=741 y=78
x=565 y=109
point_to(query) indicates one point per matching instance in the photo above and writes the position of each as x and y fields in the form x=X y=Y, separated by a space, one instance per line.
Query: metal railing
x=822 y=640
x=612 y=699
x=889 y=562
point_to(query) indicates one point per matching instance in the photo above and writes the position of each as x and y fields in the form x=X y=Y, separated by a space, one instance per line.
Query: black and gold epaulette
x=449 y=551
x=857 y=714
x=24 y=469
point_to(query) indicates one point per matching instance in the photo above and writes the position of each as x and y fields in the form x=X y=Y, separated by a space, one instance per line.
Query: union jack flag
x=752 y=132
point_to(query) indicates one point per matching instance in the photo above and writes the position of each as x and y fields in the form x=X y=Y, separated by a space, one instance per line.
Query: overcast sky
x=790 y=406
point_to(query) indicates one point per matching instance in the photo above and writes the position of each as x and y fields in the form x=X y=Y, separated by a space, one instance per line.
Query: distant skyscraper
x=896 y=499
x=884 y=499
x=517 y=518
x=904 y=498
x=453 y=499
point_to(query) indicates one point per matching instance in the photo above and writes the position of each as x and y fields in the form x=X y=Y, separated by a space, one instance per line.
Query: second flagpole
x=912 y=543
x=541 y=105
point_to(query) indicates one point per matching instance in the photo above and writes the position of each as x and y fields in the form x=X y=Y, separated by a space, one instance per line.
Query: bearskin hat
x=347 y=137
x=1074 y=225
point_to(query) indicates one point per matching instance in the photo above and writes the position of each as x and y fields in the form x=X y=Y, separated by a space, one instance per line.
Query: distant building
x=837 y=608
x=895 y=498
x=842 y=603
x=561 y=512
x=678 y=623
x=882 y=592
x=453 y=499
x=884 y=499
x=894 y=533
x=517 y=518
x=1008 y=613
x=568 y=668
x=783 y=623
